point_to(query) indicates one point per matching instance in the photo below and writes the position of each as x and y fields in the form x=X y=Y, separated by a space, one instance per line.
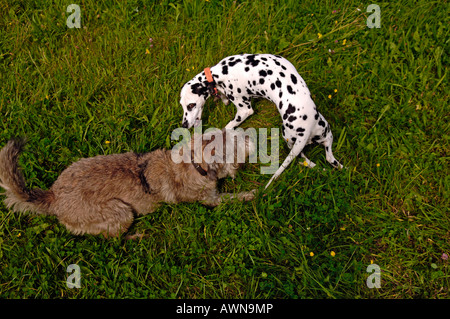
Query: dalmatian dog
x=239 y=78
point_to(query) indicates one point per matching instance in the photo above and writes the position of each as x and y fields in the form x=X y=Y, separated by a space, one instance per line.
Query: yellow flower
x=344 y=42
x=311 y=254
x=319 y=35
x=342 y=228
x=332 y=254
x=378 y=164
x=147 y=51
x=329 y=96
x=107 y=142
x=305 y=163
x=335 y=90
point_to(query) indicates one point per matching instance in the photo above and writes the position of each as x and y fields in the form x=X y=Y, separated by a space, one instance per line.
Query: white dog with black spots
x=239 y=78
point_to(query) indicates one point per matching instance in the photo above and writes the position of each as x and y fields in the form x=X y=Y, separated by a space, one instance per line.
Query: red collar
x=211 y=83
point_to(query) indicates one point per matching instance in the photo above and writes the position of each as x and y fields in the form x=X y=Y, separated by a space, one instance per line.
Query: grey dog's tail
x=18 y=197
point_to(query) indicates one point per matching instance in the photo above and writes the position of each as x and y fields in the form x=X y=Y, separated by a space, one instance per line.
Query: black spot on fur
x=300 y=129
x=251 y=60
x=322 y=123
x=246 y=69
x=282 y=74
x=294 y=79
x=230 y=97
x=316 y=117
x=238 y=119
x=290 y=90
x=292 y=118
x=280 y=106
x=272 y=86
x=224 y=69
x=199 y=89
x=290 y=109
x=278 y=83
x=269 y=72
x=239 y=90
x=232 y=63
x=263 y=73
x=230 y=86
x=261 y=81
x=305 y=117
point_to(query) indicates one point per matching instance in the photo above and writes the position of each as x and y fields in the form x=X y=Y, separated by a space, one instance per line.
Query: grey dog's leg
x=242 y=196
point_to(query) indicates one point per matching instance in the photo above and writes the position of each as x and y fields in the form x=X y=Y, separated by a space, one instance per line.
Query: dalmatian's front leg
x=244 y=110
x=307 y=161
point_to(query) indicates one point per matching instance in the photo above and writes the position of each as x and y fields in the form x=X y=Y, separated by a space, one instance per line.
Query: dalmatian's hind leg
x=328 y=143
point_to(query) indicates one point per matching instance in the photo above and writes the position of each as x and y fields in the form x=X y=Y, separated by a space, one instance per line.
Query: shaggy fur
x=101 y=194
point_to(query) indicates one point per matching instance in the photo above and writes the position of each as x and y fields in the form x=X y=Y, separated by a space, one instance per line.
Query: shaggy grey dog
x=101 y=194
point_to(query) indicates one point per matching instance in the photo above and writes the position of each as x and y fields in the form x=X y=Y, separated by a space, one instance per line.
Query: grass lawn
x=113 y=86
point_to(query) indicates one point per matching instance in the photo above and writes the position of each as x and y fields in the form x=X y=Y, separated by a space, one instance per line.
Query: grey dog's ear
x=212 y=172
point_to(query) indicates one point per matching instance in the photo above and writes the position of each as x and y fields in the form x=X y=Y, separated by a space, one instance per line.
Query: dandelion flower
x=107 y=142
x=378 y=164
x=305 y=163
x=332 y=253
x=344 y=42
x=329 y=96
x=319 y=35
x=335 y=90
x=311 y=254
x=147 y=51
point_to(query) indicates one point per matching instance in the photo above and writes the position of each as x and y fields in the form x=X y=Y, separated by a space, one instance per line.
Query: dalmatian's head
x=192 y=99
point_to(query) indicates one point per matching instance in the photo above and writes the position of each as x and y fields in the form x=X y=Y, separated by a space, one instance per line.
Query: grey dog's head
x=223 y=152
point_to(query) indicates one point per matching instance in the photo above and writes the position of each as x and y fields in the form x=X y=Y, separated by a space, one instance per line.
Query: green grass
x=71 y=90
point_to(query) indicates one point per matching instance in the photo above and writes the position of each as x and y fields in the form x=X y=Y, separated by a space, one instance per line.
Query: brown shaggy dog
x=101 y=194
